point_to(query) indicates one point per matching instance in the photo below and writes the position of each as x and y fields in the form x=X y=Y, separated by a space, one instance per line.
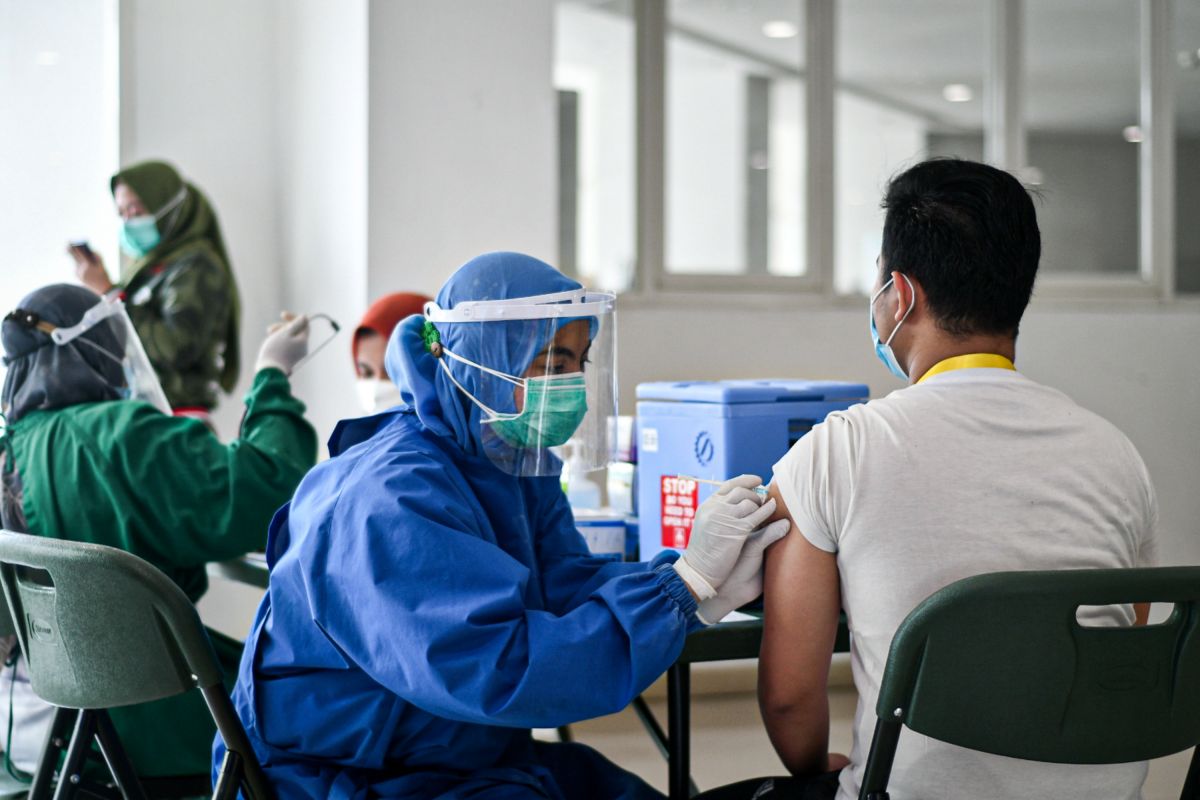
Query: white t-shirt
x=972 y=471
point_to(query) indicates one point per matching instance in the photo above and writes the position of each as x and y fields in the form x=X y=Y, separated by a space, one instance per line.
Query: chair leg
x=56 y=742
x=253 y=780
x=81 y=741
x=117 y=759
x=1191 y=786
x=879 y=761
x=229 y=777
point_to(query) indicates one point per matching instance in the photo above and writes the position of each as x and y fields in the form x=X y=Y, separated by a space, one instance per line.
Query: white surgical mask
x=375 y=394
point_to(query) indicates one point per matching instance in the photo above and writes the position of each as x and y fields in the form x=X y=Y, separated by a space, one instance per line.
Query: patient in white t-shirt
x=972 y=468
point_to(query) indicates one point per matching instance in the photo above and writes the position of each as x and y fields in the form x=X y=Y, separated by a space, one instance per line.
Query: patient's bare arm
x=801 y=606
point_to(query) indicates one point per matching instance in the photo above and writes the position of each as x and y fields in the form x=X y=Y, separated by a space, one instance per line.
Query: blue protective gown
x=427 y=609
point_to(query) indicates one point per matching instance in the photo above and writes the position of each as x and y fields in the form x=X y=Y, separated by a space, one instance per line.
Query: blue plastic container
x=717 y=430
x=604 y=531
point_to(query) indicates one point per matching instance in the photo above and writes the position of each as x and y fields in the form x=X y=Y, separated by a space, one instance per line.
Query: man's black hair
x=968 y=234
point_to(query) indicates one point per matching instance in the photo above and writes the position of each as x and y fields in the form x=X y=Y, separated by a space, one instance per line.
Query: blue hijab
x=507 y=347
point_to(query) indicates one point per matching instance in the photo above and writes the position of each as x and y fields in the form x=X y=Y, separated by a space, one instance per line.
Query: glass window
x=594 y=61
x=58 y=134
x=1187 y=154
x=1081 y=114
x=734 y=191
x=909 y=85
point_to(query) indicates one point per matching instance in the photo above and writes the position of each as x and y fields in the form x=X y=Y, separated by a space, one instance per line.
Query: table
x=249 y=569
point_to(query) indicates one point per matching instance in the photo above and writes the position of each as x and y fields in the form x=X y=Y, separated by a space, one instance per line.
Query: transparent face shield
x=541 y=370
x=108 y=323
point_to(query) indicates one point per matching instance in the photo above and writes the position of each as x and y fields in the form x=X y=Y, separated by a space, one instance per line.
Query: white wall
x=462 y=127
x=58 y=131
x=198 y=86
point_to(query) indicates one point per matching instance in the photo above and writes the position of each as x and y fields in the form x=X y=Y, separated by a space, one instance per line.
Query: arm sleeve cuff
x=675 y=588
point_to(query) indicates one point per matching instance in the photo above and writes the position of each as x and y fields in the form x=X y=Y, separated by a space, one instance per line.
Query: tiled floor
x=729 y=743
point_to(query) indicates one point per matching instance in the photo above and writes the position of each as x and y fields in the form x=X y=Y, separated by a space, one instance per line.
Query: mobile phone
x=80 y=246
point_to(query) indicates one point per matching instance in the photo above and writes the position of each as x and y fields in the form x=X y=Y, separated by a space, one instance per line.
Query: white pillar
x=461 y=135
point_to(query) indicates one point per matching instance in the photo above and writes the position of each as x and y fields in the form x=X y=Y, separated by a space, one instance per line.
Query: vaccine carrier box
x=717 y=430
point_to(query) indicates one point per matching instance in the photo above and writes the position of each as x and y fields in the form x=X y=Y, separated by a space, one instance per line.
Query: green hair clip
x=433 y=339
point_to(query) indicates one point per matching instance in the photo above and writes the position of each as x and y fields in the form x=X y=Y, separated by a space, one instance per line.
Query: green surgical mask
x=139 y=235
x=555 y=406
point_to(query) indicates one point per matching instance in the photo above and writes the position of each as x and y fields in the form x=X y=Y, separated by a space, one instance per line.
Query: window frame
x=1005 y=146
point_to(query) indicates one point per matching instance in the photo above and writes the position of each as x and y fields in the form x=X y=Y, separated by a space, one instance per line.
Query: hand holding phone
x=81 y=250
x=89 y=268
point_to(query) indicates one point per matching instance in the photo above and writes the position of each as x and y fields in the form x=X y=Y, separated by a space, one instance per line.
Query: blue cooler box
x=717 y=430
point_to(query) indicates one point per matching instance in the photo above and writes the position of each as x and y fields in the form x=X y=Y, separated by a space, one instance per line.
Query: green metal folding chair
x=998 y=663
x=101 y=628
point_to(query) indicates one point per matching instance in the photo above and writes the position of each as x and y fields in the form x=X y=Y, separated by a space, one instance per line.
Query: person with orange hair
x=376 y=391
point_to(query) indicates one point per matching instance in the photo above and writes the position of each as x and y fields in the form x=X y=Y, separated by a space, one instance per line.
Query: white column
x=461 y=137
x=322 y=191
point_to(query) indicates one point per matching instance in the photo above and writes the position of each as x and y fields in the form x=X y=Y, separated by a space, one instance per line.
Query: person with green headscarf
x=177 y=284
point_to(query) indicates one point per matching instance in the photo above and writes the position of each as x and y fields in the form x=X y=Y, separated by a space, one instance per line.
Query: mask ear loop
x=434 y=346
x=173 y=206
x=911 y=306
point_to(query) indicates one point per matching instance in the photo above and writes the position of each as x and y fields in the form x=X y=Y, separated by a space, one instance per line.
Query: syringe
x=760 y=490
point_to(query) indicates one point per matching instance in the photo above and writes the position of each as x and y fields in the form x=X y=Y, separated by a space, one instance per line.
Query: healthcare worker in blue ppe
x=430 y=598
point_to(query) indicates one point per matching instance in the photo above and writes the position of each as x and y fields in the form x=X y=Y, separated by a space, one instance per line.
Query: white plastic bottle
x=582 y=491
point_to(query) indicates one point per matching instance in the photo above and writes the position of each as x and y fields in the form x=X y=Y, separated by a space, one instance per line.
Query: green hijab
x=193 y=224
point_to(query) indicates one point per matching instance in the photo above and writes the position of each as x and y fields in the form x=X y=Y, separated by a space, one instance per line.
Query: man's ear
x=908 y=293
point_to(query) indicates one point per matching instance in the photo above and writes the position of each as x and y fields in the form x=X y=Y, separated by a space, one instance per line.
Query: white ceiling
x=1081 y=55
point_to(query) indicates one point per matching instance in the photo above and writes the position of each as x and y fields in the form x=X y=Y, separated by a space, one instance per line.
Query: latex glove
x=722 y=524
x=744 y=583
x=286 y=343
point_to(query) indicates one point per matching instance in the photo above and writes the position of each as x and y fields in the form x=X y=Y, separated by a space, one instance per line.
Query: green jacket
x=164 y=488
x=181 y=310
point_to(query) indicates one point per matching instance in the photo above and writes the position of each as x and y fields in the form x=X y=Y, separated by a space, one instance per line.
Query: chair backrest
x=999 y=663
x=100 y=627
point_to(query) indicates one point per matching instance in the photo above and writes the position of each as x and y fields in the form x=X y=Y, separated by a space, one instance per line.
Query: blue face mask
x=139 y=235
x=884 y=349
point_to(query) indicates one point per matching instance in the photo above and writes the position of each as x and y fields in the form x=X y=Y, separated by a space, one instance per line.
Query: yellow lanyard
x=969 y=361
